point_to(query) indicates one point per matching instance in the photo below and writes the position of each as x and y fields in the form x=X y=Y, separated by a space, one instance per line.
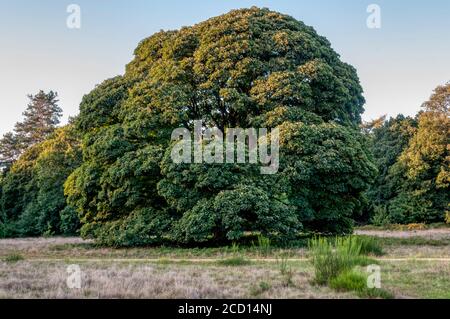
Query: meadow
x=413 y=264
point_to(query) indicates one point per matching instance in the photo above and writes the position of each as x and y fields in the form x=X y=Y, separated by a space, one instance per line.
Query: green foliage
x=286 y=271
x=413 y=160
x=333 y=257
x=426 y=163
x=388 y=140
x=234 y=261
x=10 y=149
x=349 y=281
x=312 y=154
x=370 y=245
x=13 y=258
x=40 y=120
x=380 y=216
x=263 y=245
x=32 y=194
x=70 y=222
x=356 y=281
x=334 y=263
x=250 y=67
x=143 y=227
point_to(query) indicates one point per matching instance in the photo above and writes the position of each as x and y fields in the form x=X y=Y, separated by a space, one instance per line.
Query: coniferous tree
x=40 y=119
x=10 y=149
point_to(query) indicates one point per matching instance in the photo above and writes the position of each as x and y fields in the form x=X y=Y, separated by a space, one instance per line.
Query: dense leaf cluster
x=413 y=159
x=32 y=194
x=248 y=68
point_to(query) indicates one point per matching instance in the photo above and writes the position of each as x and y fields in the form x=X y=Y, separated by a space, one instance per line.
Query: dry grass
x=73 y=247
x=122 y=280
x=437 y=234
x=42 y=272
x=417 y=279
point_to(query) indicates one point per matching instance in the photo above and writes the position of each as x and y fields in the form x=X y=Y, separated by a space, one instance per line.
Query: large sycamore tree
x=248 y=68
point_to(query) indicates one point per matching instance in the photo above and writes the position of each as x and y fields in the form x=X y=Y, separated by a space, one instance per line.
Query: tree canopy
x=40 y=119
x=32 y=194
x=414 y=165
x=110 y=171
x=248 y=68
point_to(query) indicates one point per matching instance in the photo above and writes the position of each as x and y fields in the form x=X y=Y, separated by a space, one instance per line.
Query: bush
x=356 y=281
x=332 y=258
x=349 y=281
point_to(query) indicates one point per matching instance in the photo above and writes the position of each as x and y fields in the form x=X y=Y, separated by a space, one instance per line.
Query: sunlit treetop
x=235 y=67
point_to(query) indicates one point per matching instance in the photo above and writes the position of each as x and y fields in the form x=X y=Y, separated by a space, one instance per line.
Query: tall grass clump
x=234 y=261
x=286 y=271
x=334 y=261
x=349 y=281
x=356 y=281
x=370 y=245
x=263 y=245
x=332 y=258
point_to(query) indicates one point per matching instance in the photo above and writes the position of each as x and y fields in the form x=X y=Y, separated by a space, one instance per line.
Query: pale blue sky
x=399 y=64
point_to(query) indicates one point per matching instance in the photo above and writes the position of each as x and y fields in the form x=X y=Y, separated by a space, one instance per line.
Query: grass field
x=416 y=264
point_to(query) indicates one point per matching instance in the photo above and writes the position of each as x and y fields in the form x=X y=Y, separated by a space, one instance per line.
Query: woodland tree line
x=108 y=174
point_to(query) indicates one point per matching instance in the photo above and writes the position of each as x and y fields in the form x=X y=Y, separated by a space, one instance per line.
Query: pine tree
x=40 y=119
x=10 y=149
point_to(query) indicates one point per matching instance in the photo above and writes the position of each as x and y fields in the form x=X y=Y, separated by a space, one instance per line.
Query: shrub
x=349 y=281
x=142 y=228
x=330 y=259
x=356 y=281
